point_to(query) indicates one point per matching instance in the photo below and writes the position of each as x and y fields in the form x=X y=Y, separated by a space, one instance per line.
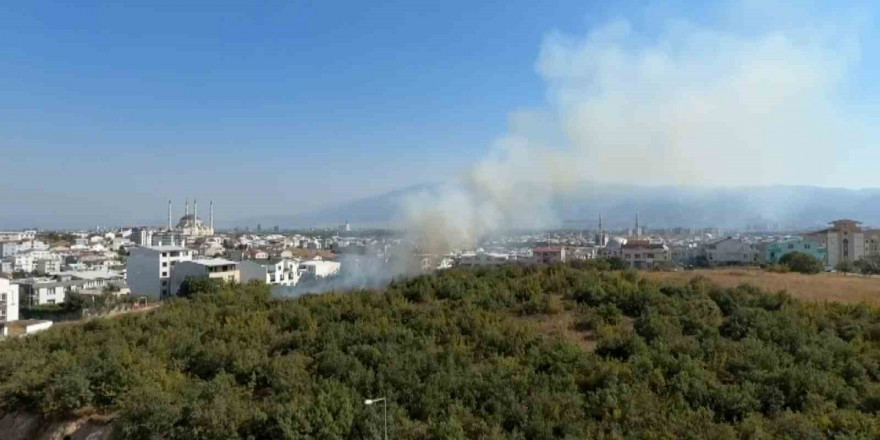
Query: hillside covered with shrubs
x=461 y=354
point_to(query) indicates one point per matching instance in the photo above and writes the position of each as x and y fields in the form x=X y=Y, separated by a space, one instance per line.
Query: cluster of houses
x=843 y=240
x=158 y=272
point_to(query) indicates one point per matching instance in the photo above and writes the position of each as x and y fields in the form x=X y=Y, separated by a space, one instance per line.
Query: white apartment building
x=479 y=259
x=275 y=272
x=319 y=268
x=213 y=268
x=8 y=301
x=17 y=235
x=149 y=269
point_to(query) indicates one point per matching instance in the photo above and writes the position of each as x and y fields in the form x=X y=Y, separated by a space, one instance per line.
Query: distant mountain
x=759 y=207
x=375 y=211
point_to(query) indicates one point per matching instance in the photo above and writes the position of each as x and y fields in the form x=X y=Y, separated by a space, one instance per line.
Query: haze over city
x=108 y=111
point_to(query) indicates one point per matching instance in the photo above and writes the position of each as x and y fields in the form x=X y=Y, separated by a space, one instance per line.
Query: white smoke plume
x=688 y=105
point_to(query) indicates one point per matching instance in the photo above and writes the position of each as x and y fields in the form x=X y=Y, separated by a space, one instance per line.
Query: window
x=164 y=283
x=649 y=255
x=637 y=256
x=164 y=274
x=806 y=245
x=164 y=254
x=175 y=254
x=791 y=246
x=165 y=264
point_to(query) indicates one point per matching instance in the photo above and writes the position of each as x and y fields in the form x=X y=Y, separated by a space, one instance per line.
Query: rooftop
x=214 y=262
x=165 y=248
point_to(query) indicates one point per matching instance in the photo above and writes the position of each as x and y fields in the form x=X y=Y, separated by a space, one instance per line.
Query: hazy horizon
x=282 y=110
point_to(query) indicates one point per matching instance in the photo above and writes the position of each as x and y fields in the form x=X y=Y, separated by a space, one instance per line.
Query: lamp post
x=384 y=410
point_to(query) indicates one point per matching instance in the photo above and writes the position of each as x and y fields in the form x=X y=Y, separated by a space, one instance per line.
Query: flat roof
x=214 y=262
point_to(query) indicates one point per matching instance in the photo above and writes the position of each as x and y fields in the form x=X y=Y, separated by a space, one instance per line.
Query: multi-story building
x=773 y=251
x=319 y=268
x=8 y=301
x=843 y=241
x=643 y=254
x=548 y=255
x=213 y=268
x=17 y=235
x=48 y=266
x=149 y=269
x=141 y=236
x=477 y=259
x=726 y=251
x=280 y=272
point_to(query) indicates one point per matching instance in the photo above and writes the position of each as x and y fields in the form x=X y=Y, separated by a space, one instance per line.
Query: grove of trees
x=464 y=354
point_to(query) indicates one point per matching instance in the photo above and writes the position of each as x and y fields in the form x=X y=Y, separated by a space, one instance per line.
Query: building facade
x=772 y=252
x=149 y=269
x=730 y=251
x=843 y=241
x=8 y=301
x=642 y=254
x=275 y=272
x=213 y=268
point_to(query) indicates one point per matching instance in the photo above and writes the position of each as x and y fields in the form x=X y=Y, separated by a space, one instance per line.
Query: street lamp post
x=384 y=410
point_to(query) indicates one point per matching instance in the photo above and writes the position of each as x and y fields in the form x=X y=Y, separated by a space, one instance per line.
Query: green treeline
x=462 y=355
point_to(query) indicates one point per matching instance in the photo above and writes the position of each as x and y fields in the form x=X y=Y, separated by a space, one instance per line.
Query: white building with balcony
x=275 y=272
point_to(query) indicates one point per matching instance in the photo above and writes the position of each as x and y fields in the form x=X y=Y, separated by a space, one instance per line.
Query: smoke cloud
x=687 y=105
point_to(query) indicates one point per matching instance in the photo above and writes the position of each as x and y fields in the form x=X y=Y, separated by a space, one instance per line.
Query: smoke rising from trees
x=688 y=105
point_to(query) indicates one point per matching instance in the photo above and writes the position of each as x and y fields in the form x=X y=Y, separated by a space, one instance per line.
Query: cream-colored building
x=844 y=240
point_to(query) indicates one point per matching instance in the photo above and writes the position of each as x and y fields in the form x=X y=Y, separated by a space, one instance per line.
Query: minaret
x=212 y=216
x=638 y=231
x=186 y=208
x=195 y=211
x=600 y=239
x=169 y=215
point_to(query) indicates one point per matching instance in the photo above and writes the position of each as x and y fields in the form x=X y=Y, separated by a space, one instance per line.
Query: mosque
x=190 y=225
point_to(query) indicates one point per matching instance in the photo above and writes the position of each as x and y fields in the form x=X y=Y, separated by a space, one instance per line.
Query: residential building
x=319 y=268
x=548 y=255
x=141 y=236
x=843 y=241
x=773 y=251
x=213 y=268
x=477 y=259
x=276 y=272
x=730 y=251
x=149 y=269
x=644 y=254
x=48 y=266
x=17 y=235
x=8 y=301
x=685 y=254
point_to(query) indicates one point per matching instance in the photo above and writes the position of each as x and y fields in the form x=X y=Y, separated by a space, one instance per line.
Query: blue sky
x=107 y=110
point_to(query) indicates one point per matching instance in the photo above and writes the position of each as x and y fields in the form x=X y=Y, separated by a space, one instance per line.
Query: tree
x=617 y=263
x=869 y=264
x=195 y=285
x=801 y=262
x=845 y=266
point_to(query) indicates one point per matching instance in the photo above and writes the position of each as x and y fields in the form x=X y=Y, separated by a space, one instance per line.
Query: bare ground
x=820 y=287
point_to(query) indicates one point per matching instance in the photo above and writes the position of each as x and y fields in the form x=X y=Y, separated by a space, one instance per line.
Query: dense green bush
x=801 y=263
x=465 y=354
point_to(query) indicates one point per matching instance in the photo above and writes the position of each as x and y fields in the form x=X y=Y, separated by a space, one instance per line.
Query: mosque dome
x=189 y=221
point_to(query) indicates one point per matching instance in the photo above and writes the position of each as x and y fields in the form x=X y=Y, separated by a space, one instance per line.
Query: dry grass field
x=820 y=287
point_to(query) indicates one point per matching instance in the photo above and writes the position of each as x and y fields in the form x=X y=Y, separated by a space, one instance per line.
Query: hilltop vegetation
x=460 y=354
